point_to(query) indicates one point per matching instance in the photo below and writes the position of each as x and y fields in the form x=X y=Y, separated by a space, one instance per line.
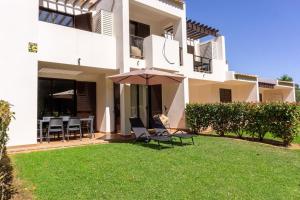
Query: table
x=88 y=120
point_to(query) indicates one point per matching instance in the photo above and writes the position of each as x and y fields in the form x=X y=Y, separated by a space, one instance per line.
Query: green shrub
x=283 y=120
x=238 y=118
x=221 y=114
x=198 y=117
x=5 y=166
x=258 y=123
x=279 y=119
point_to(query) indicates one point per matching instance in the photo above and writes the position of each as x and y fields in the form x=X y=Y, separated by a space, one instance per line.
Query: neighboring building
x=56 y=56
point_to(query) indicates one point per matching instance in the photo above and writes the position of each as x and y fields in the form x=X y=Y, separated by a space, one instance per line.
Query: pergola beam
x=196 y=30
x=94 y=5
x=84 y=3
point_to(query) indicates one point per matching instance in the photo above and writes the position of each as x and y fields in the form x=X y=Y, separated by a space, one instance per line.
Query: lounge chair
x=161 y=130
x=142 y=134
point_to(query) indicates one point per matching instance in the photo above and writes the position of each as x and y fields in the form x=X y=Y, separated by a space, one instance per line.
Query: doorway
x=146 y=101
x=117 y=108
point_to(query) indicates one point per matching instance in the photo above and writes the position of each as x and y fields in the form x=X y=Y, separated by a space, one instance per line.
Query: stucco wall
x=173 y=98
x=18 y=77
x=278 y=95
x=66 y=45
x=210 y=93
x=161 y=53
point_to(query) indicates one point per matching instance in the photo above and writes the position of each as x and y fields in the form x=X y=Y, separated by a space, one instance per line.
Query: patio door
x=60 y=97
x=146 y=101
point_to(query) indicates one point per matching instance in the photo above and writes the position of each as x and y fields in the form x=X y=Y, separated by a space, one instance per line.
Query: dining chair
x=56 y=125
x=74 y=125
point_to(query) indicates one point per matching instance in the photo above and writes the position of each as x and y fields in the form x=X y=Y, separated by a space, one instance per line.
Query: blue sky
x=262 y=36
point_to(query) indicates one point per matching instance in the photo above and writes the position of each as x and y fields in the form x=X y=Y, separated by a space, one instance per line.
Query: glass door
x=146 y=101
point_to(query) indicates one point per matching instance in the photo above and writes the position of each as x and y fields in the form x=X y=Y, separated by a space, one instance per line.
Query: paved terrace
x=100 y=138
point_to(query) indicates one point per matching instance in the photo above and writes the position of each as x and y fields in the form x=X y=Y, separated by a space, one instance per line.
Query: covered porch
x=73 y=91
x=204 y=91
x=276 y=91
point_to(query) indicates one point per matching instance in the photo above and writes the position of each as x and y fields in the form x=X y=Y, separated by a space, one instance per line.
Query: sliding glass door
x=59 y=97
x=146 y=101
x=56 y=97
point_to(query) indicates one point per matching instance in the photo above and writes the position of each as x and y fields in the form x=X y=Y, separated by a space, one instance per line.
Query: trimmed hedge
x=279 y=119
x=6 y=177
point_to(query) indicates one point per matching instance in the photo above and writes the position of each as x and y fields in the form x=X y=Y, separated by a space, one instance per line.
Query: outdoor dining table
x=41 y=122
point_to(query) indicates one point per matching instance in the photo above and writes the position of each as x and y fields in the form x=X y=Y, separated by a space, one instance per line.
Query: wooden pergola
x=86 y=5
x=196 y=30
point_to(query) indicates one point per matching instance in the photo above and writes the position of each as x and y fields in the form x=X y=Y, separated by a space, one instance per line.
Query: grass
x=268 y=137
x=215 y=168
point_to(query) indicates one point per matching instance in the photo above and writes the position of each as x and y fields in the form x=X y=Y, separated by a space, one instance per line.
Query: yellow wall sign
x=32 y=47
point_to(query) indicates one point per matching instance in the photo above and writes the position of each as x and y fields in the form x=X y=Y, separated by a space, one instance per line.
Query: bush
x=283 y=120
x=5 y=166
x=220 y=118
x=198 y=117
x=279 y=119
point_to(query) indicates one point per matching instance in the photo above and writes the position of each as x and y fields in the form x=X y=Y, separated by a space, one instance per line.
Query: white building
x=56 y=56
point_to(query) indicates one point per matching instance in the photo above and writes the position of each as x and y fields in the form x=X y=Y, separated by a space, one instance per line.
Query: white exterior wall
x=281 y=94
x=18 y=79
x=161 y=53
x=66 y=45
x=173 y=100
x=209 y=93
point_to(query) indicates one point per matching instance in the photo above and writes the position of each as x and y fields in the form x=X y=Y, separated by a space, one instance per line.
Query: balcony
x=60 y=44
x=136 y=47
x=202 y=64
x=161 y=53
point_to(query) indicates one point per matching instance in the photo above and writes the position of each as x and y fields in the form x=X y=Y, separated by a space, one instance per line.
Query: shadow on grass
x=116 y=138
x=248 y=138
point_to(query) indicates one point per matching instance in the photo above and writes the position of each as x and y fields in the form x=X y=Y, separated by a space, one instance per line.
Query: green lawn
x=297 y=139
x=215 y=168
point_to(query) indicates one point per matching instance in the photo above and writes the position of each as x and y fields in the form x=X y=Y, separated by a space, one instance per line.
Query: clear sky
x=262 y=36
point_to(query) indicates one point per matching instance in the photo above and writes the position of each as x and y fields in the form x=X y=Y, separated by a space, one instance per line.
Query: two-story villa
x=56 y=57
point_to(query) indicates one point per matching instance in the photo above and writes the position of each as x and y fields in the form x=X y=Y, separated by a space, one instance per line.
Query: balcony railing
x=136 y=47
x=202 y=64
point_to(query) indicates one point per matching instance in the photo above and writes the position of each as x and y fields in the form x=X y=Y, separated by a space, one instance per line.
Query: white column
x=105 y=105
x=121 y=32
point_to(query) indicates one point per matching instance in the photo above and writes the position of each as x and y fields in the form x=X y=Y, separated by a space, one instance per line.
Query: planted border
x=6 y=177
x=279 y=119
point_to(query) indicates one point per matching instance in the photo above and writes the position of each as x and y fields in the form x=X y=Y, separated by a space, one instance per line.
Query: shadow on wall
x=173 y=100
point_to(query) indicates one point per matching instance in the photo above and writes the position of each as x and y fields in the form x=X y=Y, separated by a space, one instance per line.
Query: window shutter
x=84 y=21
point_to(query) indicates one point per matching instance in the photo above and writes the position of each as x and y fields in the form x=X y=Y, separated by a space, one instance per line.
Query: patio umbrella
x=147 y=77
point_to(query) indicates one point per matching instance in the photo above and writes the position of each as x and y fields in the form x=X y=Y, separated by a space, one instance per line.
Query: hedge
x=279 y=119
x=6 y=188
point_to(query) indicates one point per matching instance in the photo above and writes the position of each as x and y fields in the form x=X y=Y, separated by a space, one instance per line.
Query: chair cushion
x=136 y=52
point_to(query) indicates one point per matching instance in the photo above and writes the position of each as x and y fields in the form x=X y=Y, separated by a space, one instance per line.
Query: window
x=139 y=29
x=260 y=97
x=225 y=96
x=51 y=16
x=82 y=21
x=138 y=32
x=59 y=97
x=56 y=97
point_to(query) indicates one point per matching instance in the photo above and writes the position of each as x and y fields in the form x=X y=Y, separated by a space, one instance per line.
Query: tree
x=286 y=77
x=297 y=88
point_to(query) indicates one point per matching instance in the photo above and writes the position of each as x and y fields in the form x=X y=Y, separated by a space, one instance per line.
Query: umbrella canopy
x=147 y=77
